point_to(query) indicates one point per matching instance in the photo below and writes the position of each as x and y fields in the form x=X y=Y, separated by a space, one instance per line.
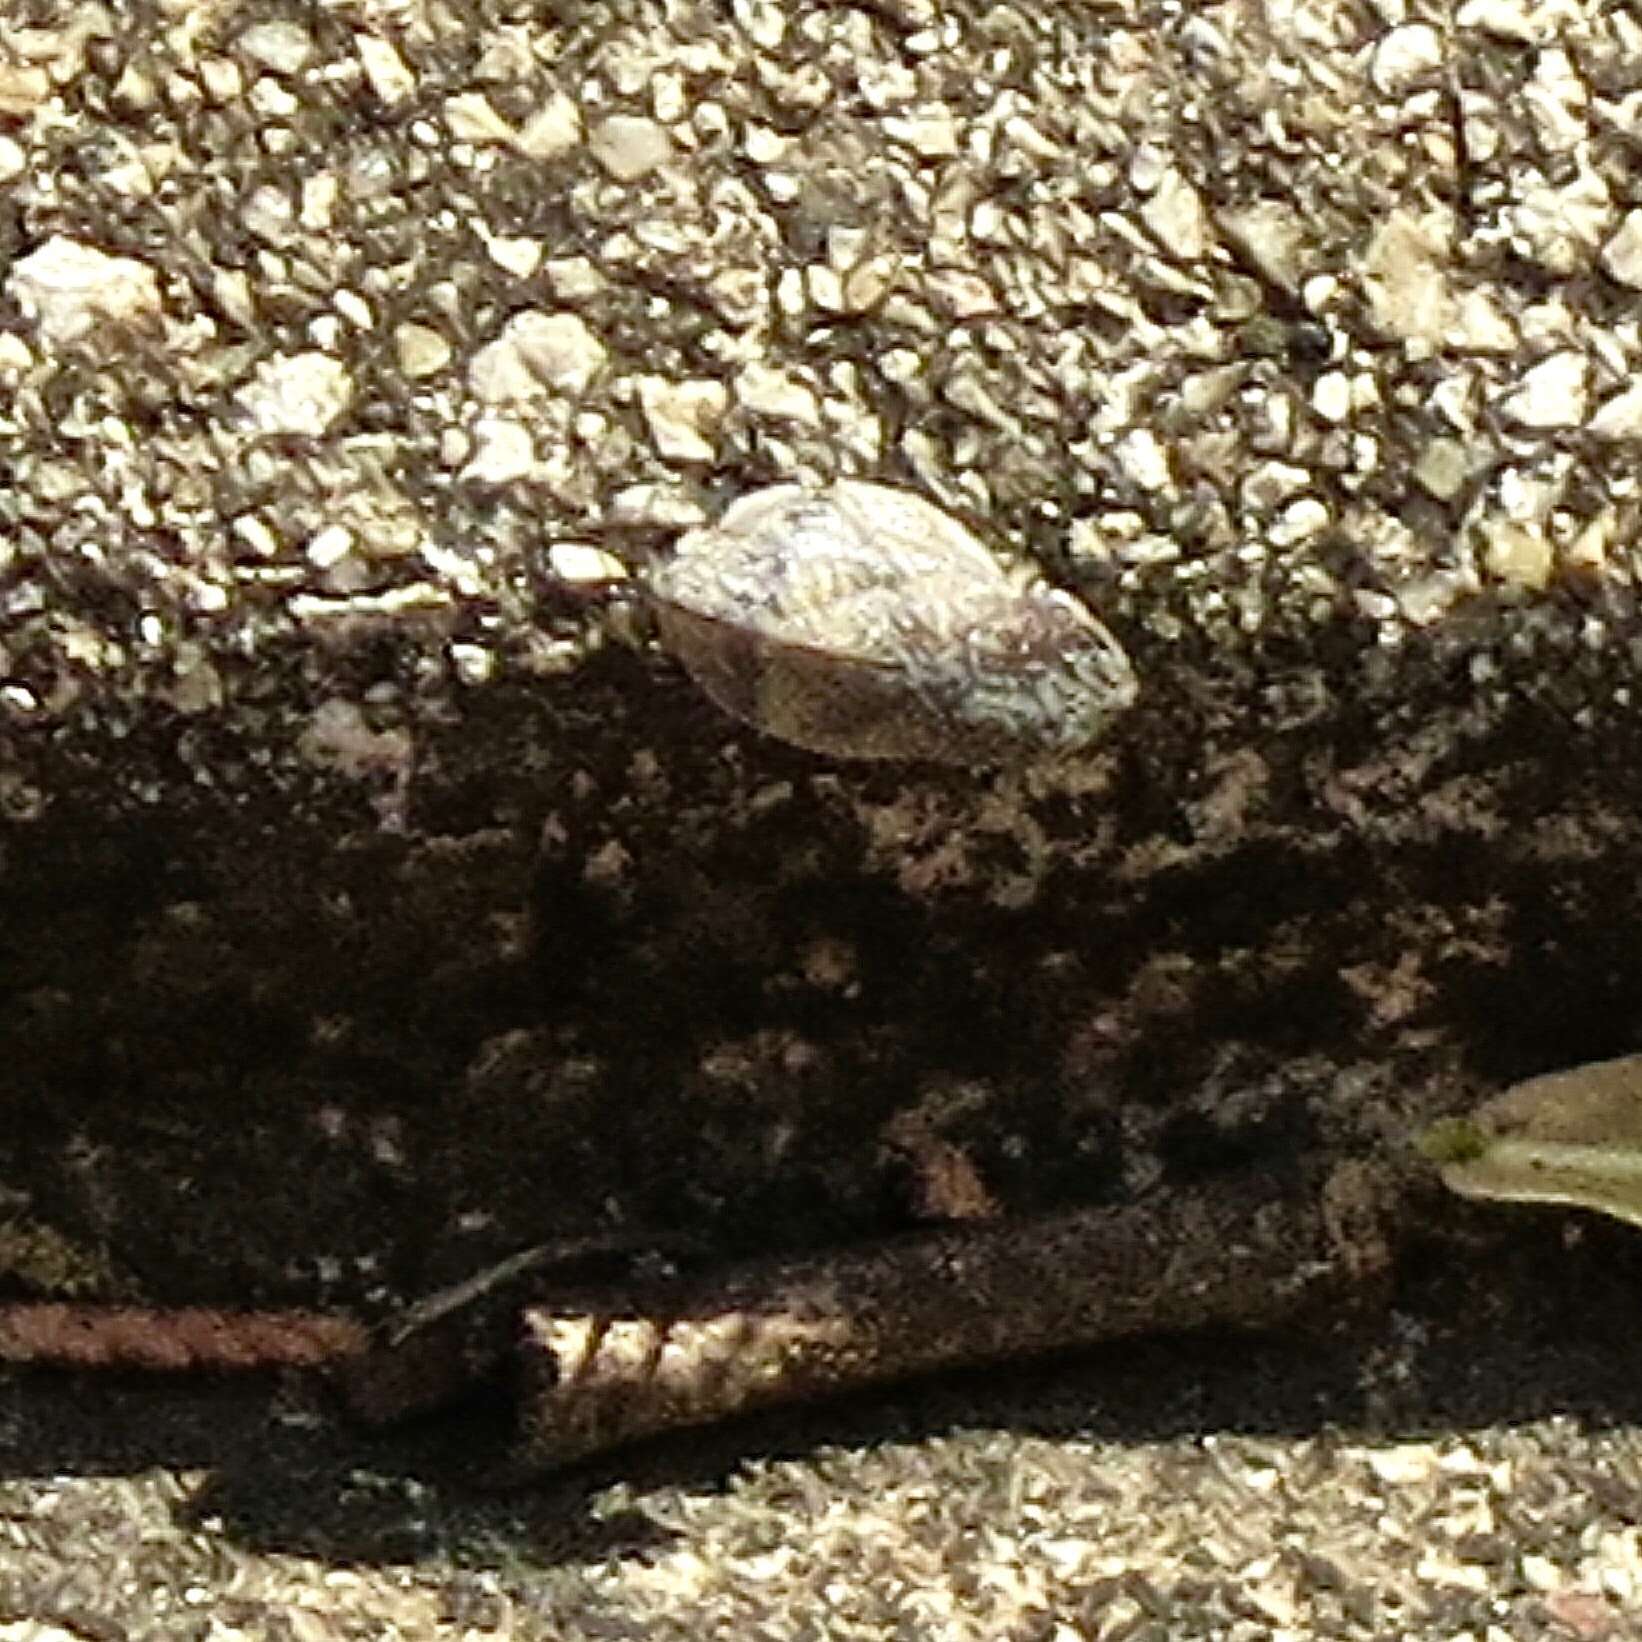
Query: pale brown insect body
x=863 y=622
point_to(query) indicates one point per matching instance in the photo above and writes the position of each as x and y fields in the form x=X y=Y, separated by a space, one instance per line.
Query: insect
x=861 y=621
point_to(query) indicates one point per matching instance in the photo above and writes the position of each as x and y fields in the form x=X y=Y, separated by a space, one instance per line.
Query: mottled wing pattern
x=864 y=622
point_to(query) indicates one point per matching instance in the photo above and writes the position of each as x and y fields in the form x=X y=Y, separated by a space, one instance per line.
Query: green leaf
x=1572 y=1137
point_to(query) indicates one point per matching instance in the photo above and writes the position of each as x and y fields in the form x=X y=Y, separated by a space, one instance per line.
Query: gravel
x=377 y=903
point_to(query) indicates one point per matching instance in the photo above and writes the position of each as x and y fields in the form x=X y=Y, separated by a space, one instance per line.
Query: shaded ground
x=1473 y=1462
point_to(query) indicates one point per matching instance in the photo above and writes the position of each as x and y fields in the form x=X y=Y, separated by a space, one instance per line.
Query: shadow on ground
x=1502 y=1318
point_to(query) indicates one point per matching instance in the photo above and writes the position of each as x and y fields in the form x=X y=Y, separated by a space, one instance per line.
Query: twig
x=440 y=1348
x=86 y=1334
x=783 y=1332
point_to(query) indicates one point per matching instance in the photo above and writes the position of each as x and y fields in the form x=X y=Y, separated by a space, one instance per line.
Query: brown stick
x=83 y=1334
x=782 y=1332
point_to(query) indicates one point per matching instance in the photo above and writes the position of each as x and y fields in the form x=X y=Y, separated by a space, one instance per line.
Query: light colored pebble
x=629 y=146
x=1175 y=215
x=1331 y=396
x=386 y=72
x=1406 y=273
x=1301 y=521
x=473 y=664
x=1520 y=554
x=1478 y=324
x=280 y=46
x=470 y=118
x=1551 y=394
x=1622 y=255
x=521 y=257
x=573 y=279
x=421 y=350
x=327 y=548
x=930 y=133
x=766 y=391
x=583 y=565
x=302 y=393
x=23 y=88
x=270 y=214
x=537 y=352
x=1144 y=460
x=69 y=289
x=257 y=534
x=1521 y=20
x=661 y=507
x=223 y=79
x=683 y=416
x=1403 y=56
x=1621 y=416
x=552 y=129
x=503 y=451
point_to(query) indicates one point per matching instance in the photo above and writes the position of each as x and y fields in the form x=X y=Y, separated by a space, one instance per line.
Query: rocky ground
x=379 y=902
